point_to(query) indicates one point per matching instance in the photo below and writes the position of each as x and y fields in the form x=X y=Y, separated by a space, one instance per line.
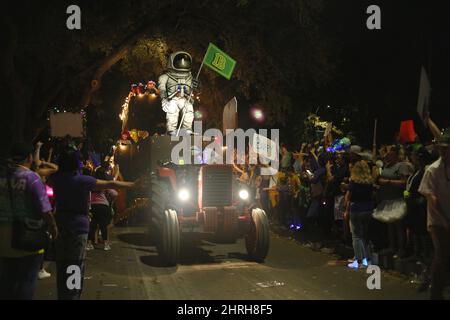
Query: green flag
x=219 y=61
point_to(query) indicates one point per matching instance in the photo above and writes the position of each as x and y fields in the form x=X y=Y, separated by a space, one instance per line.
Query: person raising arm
x=43 y=168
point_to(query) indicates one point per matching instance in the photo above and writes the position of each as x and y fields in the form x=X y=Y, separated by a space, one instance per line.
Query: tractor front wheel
x=257 y=238
x=169 y=242
x=164 y=228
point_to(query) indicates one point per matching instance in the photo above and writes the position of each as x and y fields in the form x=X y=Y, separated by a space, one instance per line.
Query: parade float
x=186 y=196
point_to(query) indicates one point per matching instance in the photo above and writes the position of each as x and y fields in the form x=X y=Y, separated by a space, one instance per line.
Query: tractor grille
x=217 y=186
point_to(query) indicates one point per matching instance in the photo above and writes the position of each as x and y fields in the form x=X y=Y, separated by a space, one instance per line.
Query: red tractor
x=201 y=198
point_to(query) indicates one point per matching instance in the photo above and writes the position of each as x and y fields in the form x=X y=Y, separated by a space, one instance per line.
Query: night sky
x=383 y=67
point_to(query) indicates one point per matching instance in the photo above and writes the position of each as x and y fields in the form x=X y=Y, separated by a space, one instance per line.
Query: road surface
x=131 y=270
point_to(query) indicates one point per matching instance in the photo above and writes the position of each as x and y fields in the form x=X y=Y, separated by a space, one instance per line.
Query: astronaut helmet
x=180 y=61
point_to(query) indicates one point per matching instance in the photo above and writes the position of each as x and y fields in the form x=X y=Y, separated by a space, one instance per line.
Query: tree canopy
x=292 y=57
x=278 y=47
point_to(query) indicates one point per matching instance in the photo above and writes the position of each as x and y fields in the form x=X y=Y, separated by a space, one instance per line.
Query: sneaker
x=356 y=265
x=365 y=263
x=106 y=246
x=43 y=274
x=89 y=246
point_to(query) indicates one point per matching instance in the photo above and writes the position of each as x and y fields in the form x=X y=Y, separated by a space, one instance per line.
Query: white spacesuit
x=175 y=87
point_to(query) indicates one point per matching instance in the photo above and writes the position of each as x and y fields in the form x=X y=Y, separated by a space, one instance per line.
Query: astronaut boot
x=171 y=131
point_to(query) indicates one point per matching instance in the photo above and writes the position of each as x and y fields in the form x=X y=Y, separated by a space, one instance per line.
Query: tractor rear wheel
x=257 y=239
x=164 y=227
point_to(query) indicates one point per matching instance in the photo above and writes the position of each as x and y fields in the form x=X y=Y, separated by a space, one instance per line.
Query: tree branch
x=109 y=61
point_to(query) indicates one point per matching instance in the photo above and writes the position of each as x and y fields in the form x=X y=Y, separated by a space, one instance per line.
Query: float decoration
x=339 y=145
x=136 y=90
x=318 y=123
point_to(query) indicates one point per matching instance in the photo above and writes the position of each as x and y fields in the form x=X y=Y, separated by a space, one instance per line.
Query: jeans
x=18 y=277
x=359 y=222
x=70 y=252
x=441 y=261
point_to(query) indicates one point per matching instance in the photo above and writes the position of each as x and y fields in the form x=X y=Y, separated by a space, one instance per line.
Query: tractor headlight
x=243 y=194
x=183 y=194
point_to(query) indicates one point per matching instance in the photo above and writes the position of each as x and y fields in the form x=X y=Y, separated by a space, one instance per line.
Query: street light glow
x=257 y=114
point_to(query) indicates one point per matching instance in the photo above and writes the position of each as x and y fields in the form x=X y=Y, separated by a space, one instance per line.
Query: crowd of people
x=391 y=202
x=387 y=202
x=53 y=212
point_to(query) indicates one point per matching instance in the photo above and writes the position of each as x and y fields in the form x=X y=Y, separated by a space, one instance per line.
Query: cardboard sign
x=66 y=124
x=229 y=117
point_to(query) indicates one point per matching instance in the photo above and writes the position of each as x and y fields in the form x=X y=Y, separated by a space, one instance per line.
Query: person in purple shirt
x=72 y=195
x=22 y=196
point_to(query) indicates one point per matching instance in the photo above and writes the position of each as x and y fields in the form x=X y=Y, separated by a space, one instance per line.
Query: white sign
x=229 y=117
x=66 y=124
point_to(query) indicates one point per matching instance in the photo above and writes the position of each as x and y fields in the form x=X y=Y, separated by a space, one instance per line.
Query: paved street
x=210 y=271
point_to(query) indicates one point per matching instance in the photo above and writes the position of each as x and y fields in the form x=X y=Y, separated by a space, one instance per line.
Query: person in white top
x=435 y=186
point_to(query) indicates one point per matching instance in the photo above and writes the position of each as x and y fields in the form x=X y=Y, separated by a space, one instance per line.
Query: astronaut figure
x=175 y=87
